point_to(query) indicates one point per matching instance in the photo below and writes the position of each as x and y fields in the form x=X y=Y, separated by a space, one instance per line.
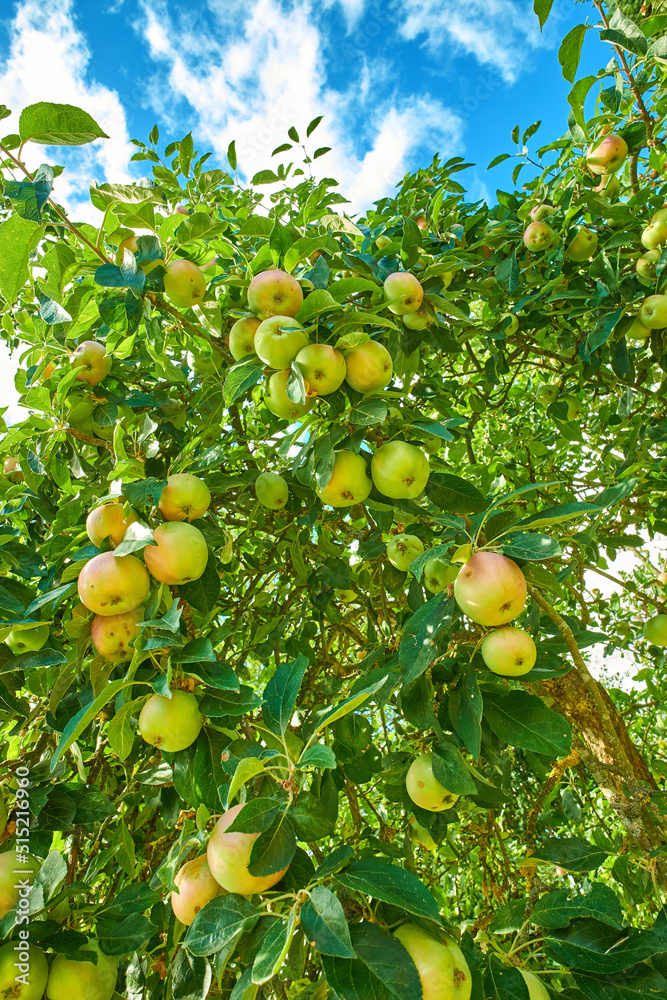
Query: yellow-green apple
x=274 y=293
x=346 y=596
x=23 y=971
x=490 y=589
x=130 y=243
x=322 y=366
x=113 y=635
x=382 y=241
x=645 y=265
x=437 y=575
x=573 y=406
x=509 y=652
x=608 y=156
x=12 y=862
x=536 y=988
x=349 y=483
x=420 y=835
x=242 y=337
x=277 y=400
x=171 y=724
x=112 y=585
x=609 y=186
x=204 y=366
x=442 y=968
x=185 y=497
x=400 y=470
x=447 y=279
x=184 y=284
x=423 y=788
x=583 y=246
x=513 y=324
x=402 y=292
x=180 y=554
x=11 y=467
x=546 y=394
x=655 y=235
x=27 y=640
x=93 y=361
x=278 y=340
x=540 y=212
x=229 y=856
x=653 y=312
x=637 y=331
x=416 y=320
x=271 y=490
x=368 y=367
x=655 y=630
x=538 y=236
x=109 y=521
x=196 y=887
x=402 y=549
x=73 y=980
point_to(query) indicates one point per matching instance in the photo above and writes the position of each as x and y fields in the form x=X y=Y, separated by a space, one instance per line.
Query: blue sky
x=396 y=80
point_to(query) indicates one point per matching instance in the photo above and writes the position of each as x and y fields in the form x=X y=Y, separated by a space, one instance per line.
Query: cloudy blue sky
x=396 y=80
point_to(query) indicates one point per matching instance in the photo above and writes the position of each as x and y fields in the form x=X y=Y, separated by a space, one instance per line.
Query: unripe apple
x=536 y=988
x=196 y=888
x=608 y=156
x=583 y=246
x=112 y=585
x=645 y=265
x=509 y=652
x=424 y=790
x=546 y=394
x=420 y=835
x=242 y=337
x=180 y=555
x=349 y=483
x=271 y=490
x=27 y=640
x=655 y=630
x=108 y=521
x=93 y=361
x=12 y=862
x=447 y=279
x=278 y=340
x=416 y=321
x=72 y=980
x=368 y=367
x=229 y=856
x=403 y=293
x=322 y=366
x=539 y=236
x=205 y=366
x=277 y=400
x=573 y=406
x=662 y=579
x=609 y=186
x=490 y=589
x=33 y=972
x=382 y=241
x=184 y=284
x=274 y=293
x=513 y=325
x=130 y=243
x=437 y=575
x=184 y=496
x=442 y=968
x=655 y=235
x=400 y=470
x=171 y=724
x=346 y=596
x=653 y=312
x=540 y=212
x=113 y=635
x=402 y=549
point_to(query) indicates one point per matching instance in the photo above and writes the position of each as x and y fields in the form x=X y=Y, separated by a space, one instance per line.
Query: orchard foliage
x=218 y=666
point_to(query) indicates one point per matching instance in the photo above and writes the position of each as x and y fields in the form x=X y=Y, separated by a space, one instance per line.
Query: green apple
x=645 y=265
x=573 y=406
x=608 y=156
x=546 y=394
x=653 y=312
x=437 y=575
x=278 y=340
x=271 y=490
x=403 y=293
x=423 y=788
x=583 y=246
x=655 y=630
x=509 y=652
x=402 y=549
x=27 y=640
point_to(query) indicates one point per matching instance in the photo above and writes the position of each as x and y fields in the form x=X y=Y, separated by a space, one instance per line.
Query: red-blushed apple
x=113 y=635
x=536 y=988
x=274 y=293
x=170 y=724
x=185 y=497
x=442 y=968
x=242 y=337
x=27 y=640
x=182 y=210
x=130 y=243
x=73 y=980
x=184 y=284
x=490 y=589
x=402 y=292
x=23 y=971
x=277 y=400
x=180 y=554
x=422 y=222
x=113 y=585
x=12 y=862
x=645 y=265
x=607 y=156
x=108 y=521
x=322 y=366
x=423 y=788
x=196 y=888
x=653 y=312
x=402 y=549
x=205 y=366
x=92 y=360
x=583 y=245
x=229 y=856
x=368 y=367
x=437 y=575
x=538 y=236
x=420 y=835
x=278 y=340
x=509 y=652
x=655 y=630
x=400 y=470
x=349 y=483
x=271 y=490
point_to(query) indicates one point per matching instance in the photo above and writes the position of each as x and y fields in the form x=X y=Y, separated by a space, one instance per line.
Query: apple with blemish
x=538 y=236
x=242 y=337
x=402 y=549
x=110 y=521
x=653 y=312
x=403 y=293
x=583 y=245
x=27 y=640
x=92 y=360
x=73 y=980
x=438 y=575
x=421 y=836
x=274 y=293
x=271 y=490
x=113 y=585
x=423 y=787
x=322 y=366
x=170 y=724
x=113 y=635
x=645 y=266
x=277 y=400
x=27 y=983
x=490 y=589
x=179 y=555
x=349 y=482
x=196 y=887
x=607 y=156
x=540 y=212
x=443 y=970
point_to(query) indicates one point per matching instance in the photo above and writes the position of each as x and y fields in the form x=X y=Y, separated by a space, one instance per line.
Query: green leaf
x=222 y=921
x=503 y=982
x=556 y=909
x=542 y=8
x=293 y=134
x=383 y=968
x=417 y=649
x=595 y=947
x=246 y=769
x=507 y=274
x=530 y=545
x=202 y=594
x=256 y=816
x=58 y=125
x=265 y=177
x=348 y=705
x=392 y=885
x=319 y=755
x=191 y=976
x=273 y=949
x=85 y=716
x=572 y=853
x=570 y=51
x=453 y=494
x=324 y=924
x=523 y=720
x=241 y=377
x=280 y=240
x=558 y=514
x=29 y=197
x=18 y=238
x=120 y=732
x=118 y=937
x=313 y=125
x=465 y=710
x=614 y=494
x=450 y=770
x=500 y=158
x=274 y=848
x=231 y=154
x=281 y=692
